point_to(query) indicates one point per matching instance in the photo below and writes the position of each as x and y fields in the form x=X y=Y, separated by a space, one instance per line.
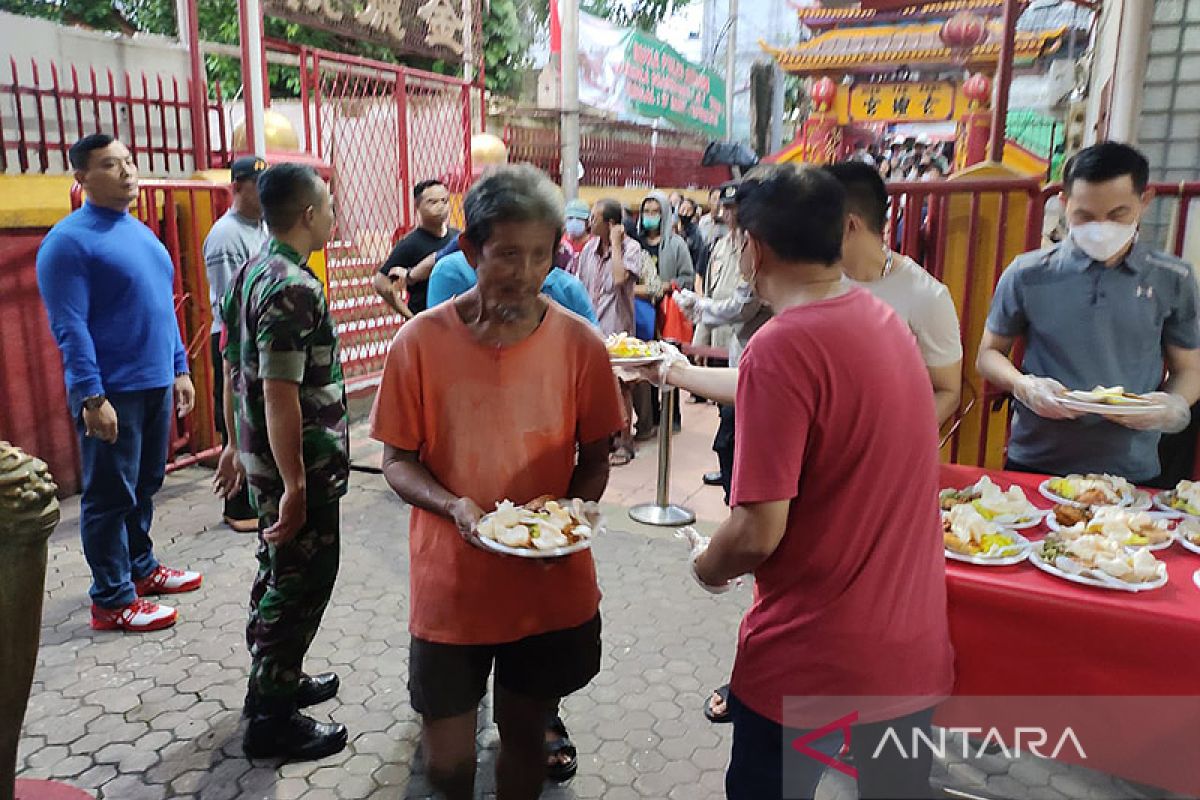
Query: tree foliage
x=642 y=14
x=508 y=33
x=507 y=36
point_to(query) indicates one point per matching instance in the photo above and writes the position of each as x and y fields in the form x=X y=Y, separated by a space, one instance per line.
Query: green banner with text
x=659 y=82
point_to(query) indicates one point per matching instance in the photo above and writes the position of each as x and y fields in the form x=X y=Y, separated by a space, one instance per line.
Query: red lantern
x=964 y=31
x=824 y=92
x=978 y=89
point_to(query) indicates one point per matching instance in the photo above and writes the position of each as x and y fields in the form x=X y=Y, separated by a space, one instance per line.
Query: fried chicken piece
x=1092 y=497
x=1070 y=515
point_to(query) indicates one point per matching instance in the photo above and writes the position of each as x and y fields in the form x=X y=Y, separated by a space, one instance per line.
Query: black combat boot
x=317 y=689
x=278 y=730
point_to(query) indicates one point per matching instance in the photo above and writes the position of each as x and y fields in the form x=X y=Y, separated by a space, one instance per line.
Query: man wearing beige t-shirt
x=919 y=299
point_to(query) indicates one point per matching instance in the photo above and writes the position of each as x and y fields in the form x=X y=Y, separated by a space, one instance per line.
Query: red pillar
x=822 y=138
x=972 y=145
x=1004 y=73
x=975 y=124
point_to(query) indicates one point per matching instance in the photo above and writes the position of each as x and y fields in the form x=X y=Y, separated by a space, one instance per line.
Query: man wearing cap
x=575 y=231
x=711 y=225
x=233 y=240
x=722 y=275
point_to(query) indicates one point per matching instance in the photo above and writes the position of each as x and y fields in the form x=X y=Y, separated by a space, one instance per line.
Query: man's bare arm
x=947 y=389
x=1183 y=367
x=715 y=383
x=423 y=269
x=590 y=478
x=744 y=541
x=993 y=361
x=389 y=291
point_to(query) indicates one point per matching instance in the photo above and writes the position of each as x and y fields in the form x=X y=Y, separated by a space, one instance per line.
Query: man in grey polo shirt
x=232 y=241
x=1098 y=308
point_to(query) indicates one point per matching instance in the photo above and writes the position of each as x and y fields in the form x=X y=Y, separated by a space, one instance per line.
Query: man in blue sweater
x=108 y=286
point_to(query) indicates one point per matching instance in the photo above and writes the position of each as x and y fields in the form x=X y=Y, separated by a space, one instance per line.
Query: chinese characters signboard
x=431 y=28
x=662 y=83
x=901 y=102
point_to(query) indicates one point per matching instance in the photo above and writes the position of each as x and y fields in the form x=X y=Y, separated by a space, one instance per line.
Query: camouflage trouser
x=291 y=590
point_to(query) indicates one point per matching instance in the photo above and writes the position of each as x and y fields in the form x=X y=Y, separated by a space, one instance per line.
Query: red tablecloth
x=1019 y=631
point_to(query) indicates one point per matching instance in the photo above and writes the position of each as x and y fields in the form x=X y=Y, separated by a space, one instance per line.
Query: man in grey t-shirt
x=232 y=241
x=1098 y=308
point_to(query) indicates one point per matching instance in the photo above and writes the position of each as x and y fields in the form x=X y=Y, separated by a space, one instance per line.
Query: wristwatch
x=94 y=402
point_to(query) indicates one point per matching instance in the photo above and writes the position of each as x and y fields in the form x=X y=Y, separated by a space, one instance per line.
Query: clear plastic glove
x=671 y=358
x=698 y=545
x=656 y=372
x=687 y=300
x=1040 y=395
x=1172 y=417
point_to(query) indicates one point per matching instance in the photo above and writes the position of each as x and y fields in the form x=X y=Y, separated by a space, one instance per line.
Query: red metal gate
x=382 y=128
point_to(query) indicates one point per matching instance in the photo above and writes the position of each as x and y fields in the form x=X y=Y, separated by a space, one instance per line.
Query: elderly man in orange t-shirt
x=497 y=395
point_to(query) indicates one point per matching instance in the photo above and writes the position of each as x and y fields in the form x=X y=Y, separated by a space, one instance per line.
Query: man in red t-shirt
x=834 y=512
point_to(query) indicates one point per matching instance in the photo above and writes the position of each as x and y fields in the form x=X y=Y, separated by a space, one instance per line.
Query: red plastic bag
x=673 y=324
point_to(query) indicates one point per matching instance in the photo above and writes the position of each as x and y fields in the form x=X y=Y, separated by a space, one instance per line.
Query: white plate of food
x=968 y=537
x=1183 y=499
x=1126 y=527
x=1111 y=401
x=1188 y=534
x=1094 y=560
x=542 y=528
x=628 y=351
x=1142 y=500
x=1008 y=508
x=1088 y=490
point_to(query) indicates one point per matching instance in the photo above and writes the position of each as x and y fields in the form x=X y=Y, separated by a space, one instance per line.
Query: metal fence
x=382 y=128
x=44 y=110
x=617 y=154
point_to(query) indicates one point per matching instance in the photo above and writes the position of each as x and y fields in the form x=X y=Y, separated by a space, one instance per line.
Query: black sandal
x=561 y=771
x=713 y=717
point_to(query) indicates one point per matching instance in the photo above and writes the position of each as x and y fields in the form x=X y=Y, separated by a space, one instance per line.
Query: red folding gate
x=382 y=128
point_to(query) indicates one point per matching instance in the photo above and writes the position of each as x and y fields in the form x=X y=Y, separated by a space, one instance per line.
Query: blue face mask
x=651 y=223
x=575 y=227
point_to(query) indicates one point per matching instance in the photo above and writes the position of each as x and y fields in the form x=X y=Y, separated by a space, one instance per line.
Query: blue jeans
x=763 y=766
x=119 y=482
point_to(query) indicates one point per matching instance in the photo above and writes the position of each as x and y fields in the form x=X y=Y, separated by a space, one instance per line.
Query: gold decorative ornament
x=26 y=488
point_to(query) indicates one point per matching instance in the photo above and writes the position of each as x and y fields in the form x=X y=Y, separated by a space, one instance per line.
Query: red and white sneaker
x=139 y=616
x=168 y=581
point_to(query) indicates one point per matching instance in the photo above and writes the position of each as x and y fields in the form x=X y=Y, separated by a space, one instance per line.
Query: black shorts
x=446 y=680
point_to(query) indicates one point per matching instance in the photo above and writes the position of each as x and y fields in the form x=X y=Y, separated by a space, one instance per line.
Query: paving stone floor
x=158 y=715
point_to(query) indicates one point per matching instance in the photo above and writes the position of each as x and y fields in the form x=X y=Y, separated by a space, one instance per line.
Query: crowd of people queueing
x=907 y=158
x=841 y=355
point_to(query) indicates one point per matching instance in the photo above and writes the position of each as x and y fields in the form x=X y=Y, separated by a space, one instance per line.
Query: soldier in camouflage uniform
x=281 y=354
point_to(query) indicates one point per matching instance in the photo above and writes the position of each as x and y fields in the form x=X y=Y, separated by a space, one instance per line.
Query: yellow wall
x=1024 y=162
x=34 y=201
x=974 y=301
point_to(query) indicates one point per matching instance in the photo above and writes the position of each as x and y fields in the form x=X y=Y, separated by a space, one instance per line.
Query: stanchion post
x=663 y=512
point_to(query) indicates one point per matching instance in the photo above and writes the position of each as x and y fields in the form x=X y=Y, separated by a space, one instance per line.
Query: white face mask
x=1102 y=240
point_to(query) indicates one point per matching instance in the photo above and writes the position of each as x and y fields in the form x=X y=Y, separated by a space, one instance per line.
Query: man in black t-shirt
x=411 y=262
